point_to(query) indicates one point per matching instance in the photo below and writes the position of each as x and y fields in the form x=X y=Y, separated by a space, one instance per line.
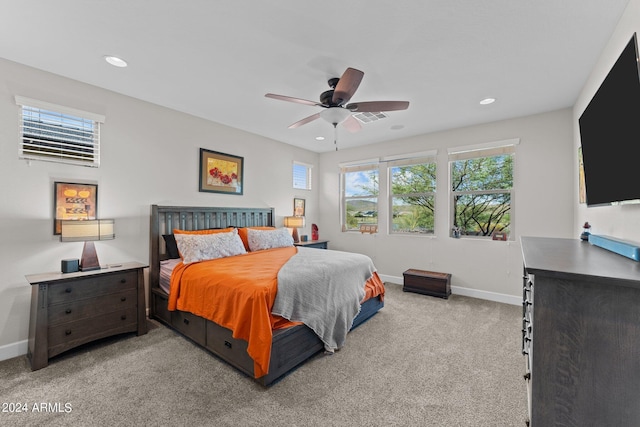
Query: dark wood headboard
x=164 y=219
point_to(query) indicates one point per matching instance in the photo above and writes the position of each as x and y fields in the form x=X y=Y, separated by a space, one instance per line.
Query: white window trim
x=24 y=101
x=483 y=146
x=30 y=149
x=488 y=149
x=309 y=168
x=362 y=165
x=408 y=160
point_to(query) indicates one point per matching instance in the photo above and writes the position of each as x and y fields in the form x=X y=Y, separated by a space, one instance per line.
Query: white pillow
x=201 y=247
x=267 y=239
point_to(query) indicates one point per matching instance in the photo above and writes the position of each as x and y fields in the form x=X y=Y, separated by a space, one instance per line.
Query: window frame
x=370 y=165
x=308 y=175
x=61 y=134
x=410 y=161
x=495 y=149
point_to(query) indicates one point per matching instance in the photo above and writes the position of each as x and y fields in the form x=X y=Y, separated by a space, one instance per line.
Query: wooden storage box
x=427 y=283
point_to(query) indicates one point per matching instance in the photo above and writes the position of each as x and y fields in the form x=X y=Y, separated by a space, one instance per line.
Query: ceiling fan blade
x=305 y=121
x=347 y=86
x=377 y=106
x=352 y=124
x=292 y=99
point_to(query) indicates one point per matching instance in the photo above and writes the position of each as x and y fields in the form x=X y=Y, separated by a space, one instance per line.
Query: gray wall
x=543 y=206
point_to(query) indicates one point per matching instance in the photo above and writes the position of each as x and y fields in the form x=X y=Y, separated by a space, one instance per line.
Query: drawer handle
x=527 y=376
x=68 y=290
x=123 y=317
x=68 y=311
x=123 y=299
x=123 y=280
x=186 y=321
x=227 y=344
x=67 y=332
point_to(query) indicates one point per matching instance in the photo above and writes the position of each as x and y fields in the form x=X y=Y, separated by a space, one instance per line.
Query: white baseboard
x=467 y=292
x=10 y=351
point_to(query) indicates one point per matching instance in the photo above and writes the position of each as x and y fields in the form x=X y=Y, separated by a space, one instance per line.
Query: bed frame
x=290 y=346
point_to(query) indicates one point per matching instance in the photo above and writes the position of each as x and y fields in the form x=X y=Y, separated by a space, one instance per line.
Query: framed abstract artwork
x=73 y=201
x=220 y=173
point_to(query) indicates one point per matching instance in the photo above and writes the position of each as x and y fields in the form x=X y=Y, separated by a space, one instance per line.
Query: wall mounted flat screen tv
x=610 y=134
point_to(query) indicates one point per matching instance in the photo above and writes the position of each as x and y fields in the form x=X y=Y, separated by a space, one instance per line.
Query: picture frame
x=499 y=235
x=220 y=172
x=73 y=201
x=298 y=207
x=582 y=190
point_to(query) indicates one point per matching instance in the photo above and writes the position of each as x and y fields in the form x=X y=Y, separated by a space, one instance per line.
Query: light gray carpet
x=421 y=361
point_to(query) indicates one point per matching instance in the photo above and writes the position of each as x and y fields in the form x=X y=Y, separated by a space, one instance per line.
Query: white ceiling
x=216 y=59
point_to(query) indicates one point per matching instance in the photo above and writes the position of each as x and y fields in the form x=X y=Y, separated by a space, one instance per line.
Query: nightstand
x=71 y=309
x=318 y=244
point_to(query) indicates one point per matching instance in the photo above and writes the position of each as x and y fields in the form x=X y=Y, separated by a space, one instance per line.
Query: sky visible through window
x=359 y=184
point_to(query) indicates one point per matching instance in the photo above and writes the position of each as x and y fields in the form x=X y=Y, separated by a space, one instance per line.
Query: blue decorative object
x=619 y=246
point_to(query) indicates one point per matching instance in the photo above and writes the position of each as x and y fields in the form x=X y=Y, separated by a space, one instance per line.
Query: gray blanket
x=323 y=289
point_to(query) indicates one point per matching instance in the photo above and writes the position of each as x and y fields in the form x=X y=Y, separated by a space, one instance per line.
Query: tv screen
x=610 y=133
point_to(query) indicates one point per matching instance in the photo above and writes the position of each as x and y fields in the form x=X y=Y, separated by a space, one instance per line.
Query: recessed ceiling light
x=115 y=61
x=487 y=101
x=319 y=138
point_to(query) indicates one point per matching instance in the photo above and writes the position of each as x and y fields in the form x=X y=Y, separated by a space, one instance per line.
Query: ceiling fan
x=334 y=101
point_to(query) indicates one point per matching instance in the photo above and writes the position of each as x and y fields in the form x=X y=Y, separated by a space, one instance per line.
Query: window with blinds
x=60 y=134
x=301 y=176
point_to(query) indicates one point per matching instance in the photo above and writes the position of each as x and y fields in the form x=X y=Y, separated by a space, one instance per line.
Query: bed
x=292 y=343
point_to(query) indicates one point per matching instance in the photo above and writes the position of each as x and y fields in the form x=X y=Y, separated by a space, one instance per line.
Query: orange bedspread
x=238 y=293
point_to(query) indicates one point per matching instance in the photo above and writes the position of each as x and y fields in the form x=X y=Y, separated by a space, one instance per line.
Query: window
x=359 y=185
x=412 y=186
x=301 y=176
x=482 y=190
x=59 y=134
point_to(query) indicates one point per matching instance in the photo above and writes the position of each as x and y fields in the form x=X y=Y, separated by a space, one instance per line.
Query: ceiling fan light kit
x=335 y=115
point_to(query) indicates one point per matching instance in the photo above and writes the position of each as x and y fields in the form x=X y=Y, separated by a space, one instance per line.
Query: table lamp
x=88 y=231
x=294 y=222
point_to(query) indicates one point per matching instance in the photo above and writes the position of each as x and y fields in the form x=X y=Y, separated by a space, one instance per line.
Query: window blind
x=58 y=134
x=301 y=176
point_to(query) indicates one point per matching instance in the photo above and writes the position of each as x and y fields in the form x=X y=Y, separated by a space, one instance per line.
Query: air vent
x=369 y=117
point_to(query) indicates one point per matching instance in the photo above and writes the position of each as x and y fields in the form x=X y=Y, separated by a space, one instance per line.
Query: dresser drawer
x=91 y=286
x=83 y=309
x=68 y=335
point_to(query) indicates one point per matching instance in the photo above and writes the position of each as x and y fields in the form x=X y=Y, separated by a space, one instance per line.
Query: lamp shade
x=83 y=231
x=88 y=231
x=293 y=221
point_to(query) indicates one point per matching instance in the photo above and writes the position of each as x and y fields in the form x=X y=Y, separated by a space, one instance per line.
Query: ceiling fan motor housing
x=326 y=97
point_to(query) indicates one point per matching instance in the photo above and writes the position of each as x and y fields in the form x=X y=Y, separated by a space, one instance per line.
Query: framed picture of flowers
x=221 y=173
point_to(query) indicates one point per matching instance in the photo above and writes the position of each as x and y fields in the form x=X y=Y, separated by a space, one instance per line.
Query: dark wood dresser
x=581 y=334
x=70 y=309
